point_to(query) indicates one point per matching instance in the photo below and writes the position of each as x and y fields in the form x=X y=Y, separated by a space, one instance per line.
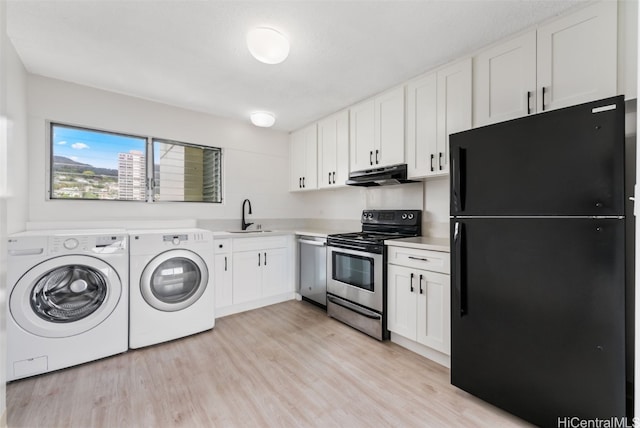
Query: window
x=92 y=164
x=183 y=172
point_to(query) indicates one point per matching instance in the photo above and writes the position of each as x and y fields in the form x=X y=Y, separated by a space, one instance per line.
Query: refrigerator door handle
x=456 y=173
x=460 y=287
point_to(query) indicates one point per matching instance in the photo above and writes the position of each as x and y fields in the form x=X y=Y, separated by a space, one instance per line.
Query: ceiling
x=193 y=54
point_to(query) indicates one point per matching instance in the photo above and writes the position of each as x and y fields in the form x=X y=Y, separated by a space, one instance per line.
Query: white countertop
x=322 y=233
x=250 y=234
x=421 y=243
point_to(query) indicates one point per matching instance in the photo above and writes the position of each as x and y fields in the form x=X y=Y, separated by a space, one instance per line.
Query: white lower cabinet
x=274 y=272
x=255 y=272
x=259 y=268
x=222 y=273
x=247 y=276
x=419 y=297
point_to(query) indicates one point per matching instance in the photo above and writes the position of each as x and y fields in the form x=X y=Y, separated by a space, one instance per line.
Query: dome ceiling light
x=268 y=45
x=263 y=119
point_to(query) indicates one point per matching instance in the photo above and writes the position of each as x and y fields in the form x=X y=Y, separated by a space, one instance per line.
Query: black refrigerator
x=538 y=263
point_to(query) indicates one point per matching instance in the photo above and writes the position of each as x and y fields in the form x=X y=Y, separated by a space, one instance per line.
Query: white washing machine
x=172 y=293
x=68 y=299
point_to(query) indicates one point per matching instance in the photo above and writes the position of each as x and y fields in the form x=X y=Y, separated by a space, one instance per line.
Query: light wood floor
x=287 y=365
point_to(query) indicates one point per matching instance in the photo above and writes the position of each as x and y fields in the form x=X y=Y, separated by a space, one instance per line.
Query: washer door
x=174 y=280
x=65 y=296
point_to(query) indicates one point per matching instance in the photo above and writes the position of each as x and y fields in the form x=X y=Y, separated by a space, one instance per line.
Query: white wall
x=3 y=213
x=256 y=165
x=255 y=160
x=436 y=208
x=343 y=206
x=17 y=150
x=13 y=171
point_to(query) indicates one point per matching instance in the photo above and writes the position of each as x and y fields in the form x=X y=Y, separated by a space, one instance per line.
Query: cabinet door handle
x=303 y=182
x=258 y=259
x=225 y=263
x=334 y=177
x=411 y=282
x=421 y=290
x=377 y=160
x=370 y=157
x=432 y=157
x=329 y=178
x=422 y=259
x=440 y=156
x=544 y=92
x=299 y=182
x=265 y=259
x=528 y=102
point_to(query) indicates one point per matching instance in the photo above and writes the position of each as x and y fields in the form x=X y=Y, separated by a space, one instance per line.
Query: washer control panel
x=71 y=243
x=99 y=244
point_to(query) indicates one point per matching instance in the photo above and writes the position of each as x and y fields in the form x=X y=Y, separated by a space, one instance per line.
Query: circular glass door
x=174 y=280
x=68 y=293
x=65 y=296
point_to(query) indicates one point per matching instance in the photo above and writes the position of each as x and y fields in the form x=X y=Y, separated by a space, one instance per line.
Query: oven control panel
x=392 y=217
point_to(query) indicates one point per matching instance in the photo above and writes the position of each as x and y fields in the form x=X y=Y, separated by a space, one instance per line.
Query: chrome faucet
x=244 y=223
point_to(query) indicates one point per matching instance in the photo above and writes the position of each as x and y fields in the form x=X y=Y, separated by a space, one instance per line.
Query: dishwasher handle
x=314 y=243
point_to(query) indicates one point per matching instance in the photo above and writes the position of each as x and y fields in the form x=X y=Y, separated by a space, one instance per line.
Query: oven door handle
x=353 y=250
x=354 y=308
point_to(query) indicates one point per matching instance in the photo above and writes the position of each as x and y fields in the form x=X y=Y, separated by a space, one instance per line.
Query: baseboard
x=425 y=351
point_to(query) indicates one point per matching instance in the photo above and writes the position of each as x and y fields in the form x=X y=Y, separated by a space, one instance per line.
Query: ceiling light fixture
x=263 y=119
x=268 y=45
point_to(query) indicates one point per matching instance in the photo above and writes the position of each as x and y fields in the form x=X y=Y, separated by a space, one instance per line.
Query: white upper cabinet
x=333 y=150
x=422 y=126
x=565 y=62
x=389 y=135
x=438 y=104
x=362 y=132
x=577 y=57
x=377 y=131
x=505 y=80
x=454 y=106
x=304 y=159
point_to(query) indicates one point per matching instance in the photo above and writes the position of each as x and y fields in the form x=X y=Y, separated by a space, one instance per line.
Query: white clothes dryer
x=172 y=293
x=68 y=299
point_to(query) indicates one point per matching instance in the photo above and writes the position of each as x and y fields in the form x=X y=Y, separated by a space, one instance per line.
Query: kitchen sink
x=248 y=231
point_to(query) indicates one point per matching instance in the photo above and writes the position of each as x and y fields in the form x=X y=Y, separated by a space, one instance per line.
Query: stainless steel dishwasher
x=313 y=269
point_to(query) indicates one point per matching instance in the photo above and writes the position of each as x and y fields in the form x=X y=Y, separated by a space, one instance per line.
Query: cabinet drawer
x=435 y=261
x=221 y=246
x=262 y=243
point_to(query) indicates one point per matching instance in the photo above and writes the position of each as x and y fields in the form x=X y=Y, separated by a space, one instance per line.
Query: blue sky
x=98 y=149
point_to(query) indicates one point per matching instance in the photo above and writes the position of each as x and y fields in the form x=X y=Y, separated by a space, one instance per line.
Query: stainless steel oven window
x=354 y=270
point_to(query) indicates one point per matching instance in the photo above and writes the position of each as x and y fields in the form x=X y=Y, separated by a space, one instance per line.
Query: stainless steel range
x=357 y=269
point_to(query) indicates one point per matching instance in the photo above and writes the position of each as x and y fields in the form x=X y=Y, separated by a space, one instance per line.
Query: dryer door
x=65 y=296
x=174 y=280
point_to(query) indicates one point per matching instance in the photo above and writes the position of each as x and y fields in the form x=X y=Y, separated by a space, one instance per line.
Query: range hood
x=384 y=176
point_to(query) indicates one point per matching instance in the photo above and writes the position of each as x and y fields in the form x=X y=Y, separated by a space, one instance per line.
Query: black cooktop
x=378 y=225
x=369 y=237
